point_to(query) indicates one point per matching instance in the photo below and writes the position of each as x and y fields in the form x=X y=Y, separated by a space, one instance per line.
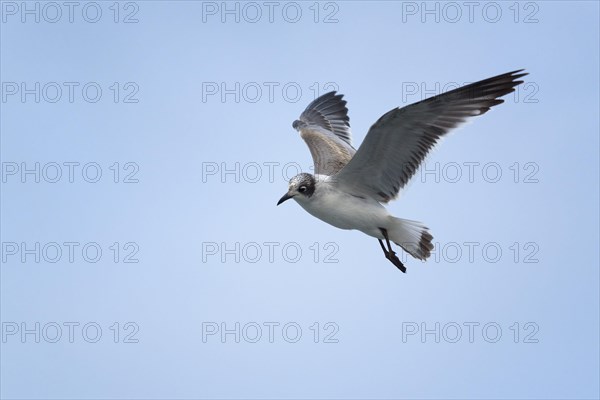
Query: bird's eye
x=302 y=189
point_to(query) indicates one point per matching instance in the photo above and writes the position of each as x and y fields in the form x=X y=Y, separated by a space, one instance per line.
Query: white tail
x=412 y=236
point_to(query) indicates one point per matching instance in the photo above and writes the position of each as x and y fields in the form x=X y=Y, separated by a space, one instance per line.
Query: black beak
x=284 y=198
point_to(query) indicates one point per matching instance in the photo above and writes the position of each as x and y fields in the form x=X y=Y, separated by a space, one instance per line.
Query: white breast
x=344 y=210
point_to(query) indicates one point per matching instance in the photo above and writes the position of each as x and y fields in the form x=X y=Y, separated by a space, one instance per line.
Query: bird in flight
x=349 y=185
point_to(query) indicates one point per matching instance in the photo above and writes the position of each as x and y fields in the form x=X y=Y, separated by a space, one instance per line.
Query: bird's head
x=301 y=187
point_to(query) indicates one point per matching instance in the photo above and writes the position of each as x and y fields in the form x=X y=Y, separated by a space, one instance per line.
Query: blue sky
x=145 y=144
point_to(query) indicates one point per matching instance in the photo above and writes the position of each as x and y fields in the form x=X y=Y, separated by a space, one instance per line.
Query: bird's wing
x=325 y=128
x=398 y=142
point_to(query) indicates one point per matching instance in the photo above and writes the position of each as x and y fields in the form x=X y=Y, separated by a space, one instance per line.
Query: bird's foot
x=391 y=255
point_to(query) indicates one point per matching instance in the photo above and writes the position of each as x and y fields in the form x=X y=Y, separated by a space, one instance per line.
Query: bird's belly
x=347 y=212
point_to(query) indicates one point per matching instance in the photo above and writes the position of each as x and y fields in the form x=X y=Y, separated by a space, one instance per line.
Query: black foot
x=396 y=261
x=389 y=253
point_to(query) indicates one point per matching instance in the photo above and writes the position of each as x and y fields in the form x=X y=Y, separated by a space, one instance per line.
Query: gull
x=350 y=186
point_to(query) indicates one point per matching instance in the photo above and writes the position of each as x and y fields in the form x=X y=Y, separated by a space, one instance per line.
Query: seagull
x=350 y=186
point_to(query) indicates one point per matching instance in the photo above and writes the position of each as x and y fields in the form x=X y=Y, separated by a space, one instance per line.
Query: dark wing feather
x=324 y=125
x=398 y=142
x=328 y=112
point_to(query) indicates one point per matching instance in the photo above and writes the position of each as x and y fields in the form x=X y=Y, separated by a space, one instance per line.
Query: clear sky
x=145 y=144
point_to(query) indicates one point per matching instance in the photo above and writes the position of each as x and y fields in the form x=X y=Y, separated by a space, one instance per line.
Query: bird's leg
x=385 y=252
x=389 y=253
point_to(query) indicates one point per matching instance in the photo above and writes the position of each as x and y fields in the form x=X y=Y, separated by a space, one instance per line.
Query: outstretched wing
x=325 y=128
x=398 y=142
